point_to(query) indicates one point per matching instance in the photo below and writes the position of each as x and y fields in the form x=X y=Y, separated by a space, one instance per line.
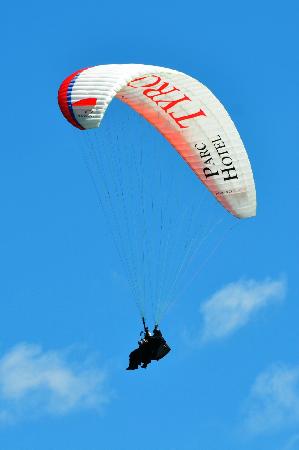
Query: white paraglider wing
x=183 y=110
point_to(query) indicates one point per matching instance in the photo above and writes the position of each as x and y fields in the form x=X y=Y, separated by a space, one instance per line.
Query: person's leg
x=134 y=359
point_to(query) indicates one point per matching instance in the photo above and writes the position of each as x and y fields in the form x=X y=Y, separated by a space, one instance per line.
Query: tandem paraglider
x=152 y=204
x=151 y=347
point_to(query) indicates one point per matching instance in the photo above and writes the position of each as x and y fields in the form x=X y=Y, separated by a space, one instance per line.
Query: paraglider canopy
x=183 y=110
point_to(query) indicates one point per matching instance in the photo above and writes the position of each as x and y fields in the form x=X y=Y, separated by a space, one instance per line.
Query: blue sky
x=67 y=322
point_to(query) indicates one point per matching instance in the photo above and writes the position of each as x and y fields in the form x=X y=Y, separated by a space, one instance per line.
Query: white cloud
x=232 y=306
x=274 y=400
x=34 y=382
